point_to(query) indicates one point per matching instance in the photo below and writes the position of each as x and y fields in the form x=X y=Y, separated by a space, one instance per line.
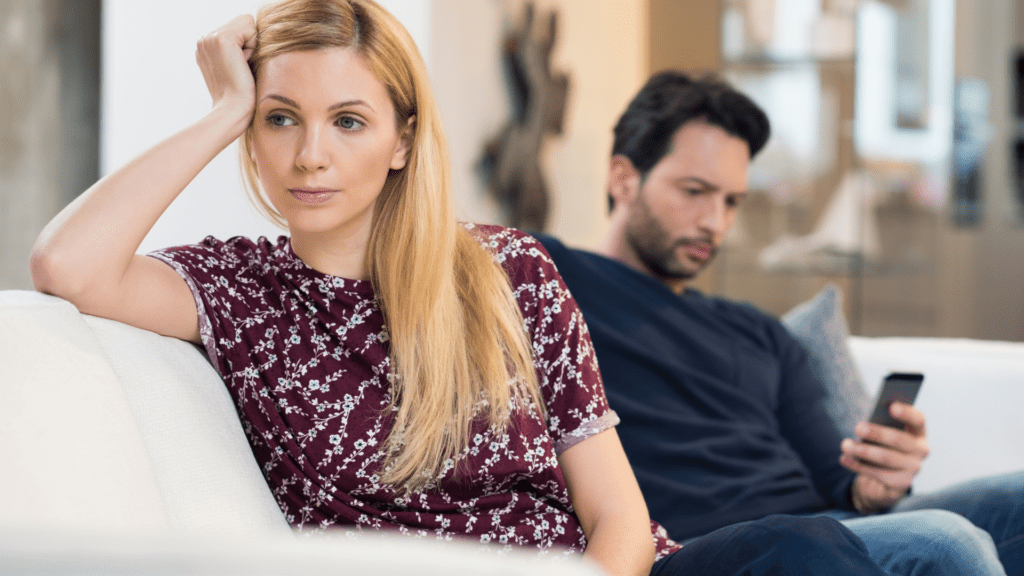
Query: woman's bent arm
x=609 y=505
x=86 y=254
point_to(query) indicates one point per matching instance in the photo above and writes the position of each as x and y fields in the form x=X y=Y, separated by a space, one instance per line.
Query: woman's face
x=323 y=139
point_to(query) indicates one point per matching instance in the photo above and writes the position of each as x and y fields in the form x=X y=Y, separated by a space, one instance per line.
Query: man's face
x=683 y=209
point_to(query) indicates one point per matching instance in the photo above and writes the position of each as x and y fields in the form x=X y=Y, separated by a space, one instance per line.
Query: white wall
x=603 y=46
x=152 y=88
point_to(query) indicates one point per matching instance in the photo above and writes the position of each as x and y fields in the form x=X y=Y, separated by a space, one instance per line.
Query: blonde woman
x=377 y=353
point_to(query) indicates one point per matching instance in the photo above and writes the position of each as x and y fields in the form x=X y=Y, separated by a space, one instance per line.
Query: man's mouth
x=698 y=250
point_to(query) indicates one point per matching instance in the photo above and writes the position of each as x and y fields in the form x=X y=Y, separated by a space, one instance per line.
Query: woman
x=376 y=354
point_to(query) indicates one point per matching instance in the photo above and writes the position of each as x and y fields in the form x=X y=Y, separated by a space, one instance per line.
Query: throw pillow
x=819 y=325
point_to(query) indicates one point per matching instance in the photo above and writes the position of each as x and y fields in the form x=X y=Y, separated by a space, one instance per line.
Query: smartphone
x=897 y=387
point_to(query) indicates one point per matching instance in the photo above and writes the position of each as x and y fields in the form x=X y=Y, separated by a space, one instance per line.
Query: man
x=722 y=418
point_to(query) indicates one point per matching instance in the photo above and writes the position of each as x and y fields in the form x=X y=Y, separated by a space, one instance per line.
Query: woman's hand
x=223 y=57
x=87 y=253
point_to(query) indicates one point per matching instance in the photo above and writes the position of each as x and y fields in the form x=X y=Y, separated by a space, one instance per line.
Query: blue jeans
x=773 y=546
x=974 y=528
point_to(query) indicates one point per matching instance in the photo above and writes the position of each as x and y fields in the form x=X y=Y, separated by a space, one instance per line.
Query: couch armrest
x=103 y=425
x=71 y=455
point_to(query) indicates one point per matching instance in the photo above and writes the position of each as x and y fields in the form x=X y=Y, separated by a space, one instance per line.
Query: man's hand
x=886 y=459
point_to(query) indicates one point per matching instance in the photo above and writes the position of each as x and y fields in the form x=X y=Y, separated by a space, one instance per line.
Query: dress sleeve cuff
x=205 y=326
x=589 y=428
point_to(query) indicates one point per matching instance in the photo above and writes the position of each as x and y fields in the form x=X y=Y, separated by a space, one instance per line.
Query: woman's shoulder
x=213 y=259
x=520 y=254
x=504 y=242
x=237 y=249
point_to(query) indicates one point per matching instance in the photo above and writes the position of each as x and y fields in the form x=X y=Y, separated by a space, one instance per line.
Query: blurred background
x=895 y=169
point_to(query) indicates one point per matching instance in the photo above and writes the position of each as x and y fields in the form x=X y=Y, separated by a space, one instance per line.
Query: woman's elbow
x=54 y=273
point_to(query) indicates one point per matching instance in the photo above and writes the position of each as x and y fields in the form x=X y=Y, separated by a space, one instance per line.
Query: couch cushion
x=71 y=455
x=206 y=471
x=819 y=325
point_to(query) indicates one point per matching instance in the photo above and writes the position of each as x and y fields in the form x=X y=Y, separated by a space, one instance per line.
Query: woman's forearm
x=609 y=505
x=88 y=246
x=621 y=547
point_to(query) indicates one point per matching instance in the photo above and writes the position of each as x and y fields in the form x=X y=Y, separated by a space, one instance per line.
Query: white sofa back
x=107 y=426
x=972 y=395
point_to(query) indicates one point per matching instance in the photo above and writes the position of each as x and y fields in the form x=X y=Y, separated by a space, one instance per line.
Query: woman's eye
x=349 y=123
x=279 y=120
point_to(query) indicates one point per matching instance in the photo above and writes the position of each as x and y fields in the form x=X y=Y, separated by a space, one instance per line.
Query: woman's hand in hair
x=223 y=57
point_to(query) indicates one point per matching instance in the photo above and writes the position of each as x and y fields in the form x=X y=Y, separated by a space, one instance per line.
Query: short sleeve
x=215 y=273
x=564 y=356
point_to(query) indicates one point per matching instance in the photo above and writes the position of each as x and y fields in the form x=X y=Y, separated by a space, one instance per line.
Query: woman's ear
x=623 y=180
x=401 y=155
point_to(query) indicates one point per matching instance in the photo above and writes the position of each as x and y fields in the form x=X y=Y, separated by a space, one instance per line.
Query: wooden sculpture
x=511 y=160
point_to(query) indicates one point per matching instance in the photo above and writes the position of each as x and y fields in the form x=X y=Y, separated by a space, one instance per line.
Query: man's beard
x=653 y=247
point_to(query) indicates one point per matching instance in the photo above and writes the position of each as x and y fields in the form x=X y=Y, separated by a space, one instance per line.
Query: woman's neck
x=334 y=253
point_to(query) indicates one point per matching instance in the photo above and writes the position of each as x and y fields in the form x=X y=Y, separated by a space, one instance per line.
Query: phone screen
x=897 y=387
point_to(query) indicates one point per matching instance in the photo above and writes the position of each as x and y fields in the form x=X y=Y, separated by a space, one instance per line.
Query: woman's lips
x=312 y=196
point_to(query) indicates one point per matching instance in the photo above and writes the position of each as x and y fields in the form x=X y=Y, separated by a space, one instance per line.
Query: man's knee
x=947 y=533
x=803 y=535
x=932 y=524
x=928 y=542
x=777 y=545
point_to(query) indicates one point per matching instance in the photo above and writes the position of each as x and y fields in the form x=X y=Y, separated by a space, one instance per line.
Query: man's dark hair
x=669 y=100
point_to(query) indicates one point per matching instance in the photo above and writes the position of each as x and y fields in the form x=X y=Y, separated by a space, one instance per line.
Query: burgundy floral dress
x=305 y=357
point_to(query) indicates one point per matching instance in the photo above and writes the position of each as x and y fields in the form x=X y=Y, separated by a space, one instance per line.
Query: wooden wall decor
x=511 y=160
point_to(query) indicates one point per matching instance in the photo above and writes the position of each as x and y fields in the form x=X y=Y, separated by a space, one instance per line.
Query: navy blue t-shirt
x=722 y=419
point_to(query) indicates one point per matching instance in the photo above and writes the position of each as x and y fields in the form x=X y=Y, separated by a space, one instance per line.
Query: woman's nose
x=312 y=155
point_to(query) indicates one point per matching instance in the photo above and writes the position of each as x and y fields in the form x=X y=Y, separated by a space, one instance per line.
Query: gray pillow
x=819 y=325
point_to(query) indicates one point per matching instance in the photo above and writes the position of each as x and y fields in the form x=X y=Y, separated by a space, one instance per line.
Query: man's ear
x=401 y=155
x=623 y=180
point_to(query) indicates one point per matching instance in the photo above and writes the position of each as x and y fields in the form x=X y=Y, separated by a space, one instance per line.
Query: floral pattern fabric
x=305 y=358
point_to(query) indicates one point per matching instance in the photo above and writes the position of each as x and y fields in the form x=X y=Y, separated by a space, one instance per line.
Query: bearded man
x=722 y=417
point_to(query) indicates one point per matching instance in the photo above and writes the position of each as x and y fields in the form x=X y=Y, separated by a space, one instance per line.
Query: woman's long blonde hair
x=457 y=337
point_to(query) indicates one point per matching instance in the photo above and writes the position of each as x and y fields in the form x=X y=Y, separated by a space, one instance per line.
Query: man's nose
x=714 y=218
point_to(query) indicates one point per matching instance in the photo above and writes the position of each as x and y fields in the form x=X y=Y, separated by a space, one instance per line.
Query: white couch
x=119 y=447
x=973 y=397
x=121 y=453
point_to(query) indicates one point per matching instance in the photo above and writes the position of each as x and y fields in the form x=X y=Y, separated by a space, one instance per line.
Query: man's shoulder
x=731 y=306
x=551 y=244
x=571 y=259
x=742 y=315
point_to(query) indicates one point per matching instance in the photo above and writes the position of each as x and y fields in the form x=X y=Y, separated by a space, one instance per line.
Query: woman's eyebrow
x=294 y=104
x=287 y=101
x=347 y=103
